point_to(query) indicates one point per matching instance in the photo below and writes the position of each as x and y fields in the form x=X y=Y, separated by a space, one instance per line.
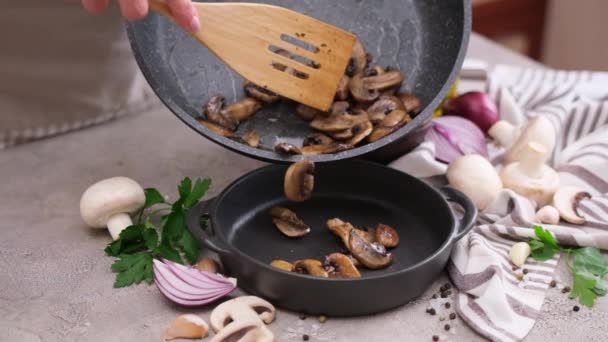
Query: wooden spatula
x=291 y=54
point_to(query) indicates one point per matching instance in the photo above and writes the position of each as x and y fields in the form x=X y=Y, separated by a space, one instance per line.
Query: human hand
x=184 y=13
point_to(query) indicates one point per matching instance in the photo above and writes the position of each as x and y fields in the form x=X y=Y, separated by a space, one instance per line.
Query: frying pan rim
x=273 y=157
x=236 y=252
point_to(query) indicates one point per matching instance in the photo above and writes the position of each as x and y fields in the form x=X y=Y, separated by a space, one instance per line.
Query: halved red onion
x=476 y=106
x=188 y=286
x=455 y=137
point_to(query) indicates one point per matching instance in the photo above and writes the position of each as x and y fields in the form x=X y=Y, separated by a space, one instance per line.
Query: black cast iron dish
x=240 y=230
x=426 y=39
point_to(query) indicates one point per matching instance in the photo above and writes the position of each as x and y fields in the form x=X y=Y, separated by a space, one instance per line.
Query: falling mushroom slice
x=300 y=181
x=217 y=129
x=287 y=149
x=243 y=109
x=310 y=267
x=566 y=201
x=306 y=113
x=215 y=113
x=187 y=327
x=288 y=222
x=343 y=90
x=381 y=108
x=283 y=265
x=391 y=123
x=260 y=93
x=338 y=122
x=371 y=255
x=252 y=138
x=340 y=266
x=411 y=103
x=387 y=236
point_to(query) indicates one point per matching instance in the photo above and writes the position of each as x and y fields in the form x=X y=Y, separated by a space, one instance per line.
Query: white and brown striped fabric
x=491 y=299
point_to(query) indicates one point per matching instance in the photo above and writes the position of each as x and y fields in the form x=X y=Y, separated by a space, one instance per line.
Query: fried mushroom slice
x=306 y=113
x=383 y=81
x=342 y=229
x=252 y=138
x=358 y=60
x=381 y=108
x=242 y=109
x=360 y=91
x=283 y=265
x=338 y=122
x=261 y=94
x=371 y=255
x=287 y=149
x=300 y=181
x=310 y=267
x=217 y=129
x=390 y=124
x=214 y=112
x=288 y=222
x=318 y=143
x=339 y=265
x=411 y=103
x=343 y=90
x=359 y=132
x=387 y=236
x=340 y=107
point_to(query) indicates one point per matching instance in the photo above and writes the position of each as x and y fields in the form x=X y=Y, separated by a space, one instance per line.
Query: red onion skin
x=476 y=106
x=454 y=137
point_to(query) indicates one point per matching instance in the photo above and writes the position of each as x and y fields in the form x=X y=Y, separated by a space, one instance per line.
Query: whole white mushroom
x=110 y=202
x=475 y=176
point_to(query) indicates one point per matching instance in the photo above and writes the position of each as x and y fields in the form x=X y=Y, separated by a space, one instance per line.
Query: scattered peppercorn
x=448 y=292
x=305 y=337
x=435 y=338
x=447 y=327
x=453 y=316
x=553 y=283
x=514 y=268
x=448 y=286
x=302 y=317
x=442 y=288
x=448 y=305
x=431 y=311
x=434 y=296
x=526 y=271
x=566 y=289
x=444 y=294
x=322 y=319
x=576 y=308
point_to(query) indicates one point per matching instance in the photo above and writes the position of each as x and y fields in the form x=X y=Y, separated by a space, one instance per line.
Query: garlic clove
x=548 y=215
x=566 y=201
x=187 y=327
x=519 y=253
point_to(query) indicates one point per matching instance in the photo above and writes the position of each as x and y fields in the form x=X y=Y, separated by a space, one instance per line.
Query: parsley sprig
x=160 y=232
x=588 y=266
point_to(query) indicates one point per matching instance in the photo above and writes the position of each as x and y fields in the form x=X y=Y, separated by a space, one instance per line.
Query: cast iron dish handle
x=470 y=211
x=194 y=216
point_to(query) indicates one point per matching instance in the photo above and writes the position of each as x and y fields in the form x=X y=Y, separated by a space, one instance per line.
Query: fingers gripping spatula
x=286 y=52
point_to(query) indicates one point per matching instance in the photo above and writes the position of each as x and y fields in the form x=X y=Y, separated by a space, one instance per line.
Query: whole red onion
x=476 y=106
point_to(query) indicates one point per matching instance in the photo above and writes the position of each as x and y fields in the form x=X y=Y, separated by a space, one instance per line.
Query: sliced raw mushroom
x=319 y=143
x=383 y=81
x=287 y=149
x=411 y=103
x=300 y=181
x=283 y=265
x=340 y=107
x=340 y=266
x=310 y=267
x=358 y=60
x=306 y=113
x=243 y=319
x=381 y=108
x=357 y=133
x=391 y=123
x=343 y=90
x=252 y=138
x=371 y=255
x=566 y=200
x=387 y=236
x=244 y=330
x=360 y=91
x=214 y=112
x=288 y=222
x=217 y=129
x=260 y=93
x=338 y=122
x=242 y=109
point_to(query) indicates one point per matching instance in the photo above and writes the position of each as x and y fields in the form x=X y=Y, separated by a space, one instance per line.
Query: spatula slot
x=291 y=71
x=299 y=43
x=300 y=59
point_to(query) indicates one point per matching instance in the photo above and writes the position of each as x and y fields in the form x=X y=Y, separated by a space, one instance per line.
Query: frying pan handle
x=470 y=211
x=193 y=221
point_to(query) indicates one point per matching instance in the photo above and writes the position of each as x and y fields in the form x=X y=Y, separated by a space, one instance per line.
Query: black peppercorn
x=448 y=305
x=447 y=327
x=434 y=296
x=576 y=308
x=431 y=311
x=302 y=317
x=526 y=271
x=566 y=289
x=435 y=338
x=553 y=283
x=448 y=286
x=444 y=294
x=305 y=337
x=452 y=316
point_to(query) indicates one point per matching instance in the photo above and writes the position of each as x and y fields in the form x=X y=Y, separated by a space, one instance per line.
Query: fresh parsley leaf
x=166 y=251
x=591 y=260
x=175 y=226
x=130 y=240
x=133 y=269
x=153 y=197
x=198 y=191
x=583 y=288
x=150 y=238
x=545 y=247
x=189 y=246
x=185 y=188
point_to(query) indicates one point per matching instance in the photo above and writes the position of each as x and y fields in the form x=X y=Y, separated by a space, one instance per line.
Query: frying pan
x=240 y=230
x=426 y=39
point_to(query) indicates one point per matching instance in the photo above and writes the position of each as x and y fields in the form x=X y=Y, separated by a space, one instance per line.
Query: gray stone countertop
x=56 y=283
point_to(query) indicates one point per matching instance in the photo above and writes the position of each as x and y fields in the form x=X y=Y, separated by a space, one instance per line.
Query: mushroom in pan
x=252 y=138
x=319 y=143
x=390 y=124
x=357 y=133
x=283 y=265
x=386 y=236
x=360 y=91
x=383 y=81
x=109 y=202
x=306 y=113
x=310 y=267
x=243 y=319
x=411 y=103
x=300 y=181
x=214 y=112
x=343 y=89
x=371 y=255
x=340 y=266
x=287 y=149
x=288 y=222
x=343 y=229
x=260 y=93
x=358 y=60
x=217 y=129
x=242 y=109
x=340 y=107
x=338 y=122
x=381 y=108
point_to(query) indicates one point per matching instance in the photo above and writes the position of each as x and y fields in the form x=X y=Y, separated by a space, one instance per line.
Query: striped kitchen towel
x=491 y=298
